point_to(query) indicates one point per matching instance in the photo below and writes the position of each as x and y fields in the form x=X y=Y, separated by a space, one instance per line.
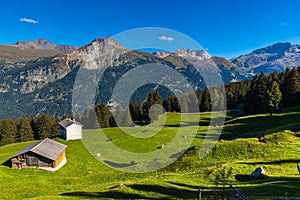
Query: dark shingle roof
x=46 y=148
x=68 y=122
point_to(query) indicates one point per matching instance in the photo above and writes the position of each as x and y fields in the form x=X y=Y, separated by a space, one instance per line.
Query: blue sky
x=225 y=28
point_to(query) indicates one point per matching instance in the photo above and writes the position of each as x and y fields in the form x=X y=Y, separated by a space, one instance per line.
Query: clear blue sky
x=226 y=28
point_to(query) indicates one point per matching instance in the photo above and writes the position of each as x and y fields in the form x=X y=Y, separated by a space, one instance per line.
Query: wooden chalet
x=46 y=153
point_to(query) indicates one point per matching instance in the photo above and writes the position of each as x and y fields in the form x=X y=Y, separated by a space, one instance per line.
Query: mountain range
x=29 y=50
x=276 y=57
x=38 y=76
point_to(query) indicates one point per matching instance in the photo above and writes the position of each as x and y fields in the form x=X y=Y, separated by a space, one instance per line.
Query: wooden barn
x=70 y=129
x=47 y=154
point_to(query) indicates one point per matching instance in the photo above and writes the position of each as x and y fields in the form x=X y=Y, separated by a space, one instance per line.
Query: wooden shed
x=70 y=129
x=46 y=153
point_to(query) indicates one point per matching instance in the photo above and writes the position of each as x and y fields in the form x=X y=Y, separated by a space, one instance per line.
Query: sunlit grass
x=85 y=177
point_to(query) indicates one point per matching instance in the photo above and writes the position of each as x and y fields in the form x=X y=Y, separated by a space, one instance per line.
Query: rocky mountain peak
x=275 y=48
x=44 y=44
x=161 y=54
x=199 y=54
x=102 y=44
x=276 y=57
x=102 y=50
x=41 y=42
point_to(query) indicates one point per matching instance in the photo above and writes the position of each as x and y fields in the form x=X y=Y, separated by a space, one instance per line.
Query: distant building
x=46 y=154
x=70 y=129
x=111 y=105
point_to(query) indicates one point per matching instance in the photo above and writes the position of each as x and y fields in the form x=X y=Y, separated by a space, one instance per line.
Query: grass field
x=84 y=177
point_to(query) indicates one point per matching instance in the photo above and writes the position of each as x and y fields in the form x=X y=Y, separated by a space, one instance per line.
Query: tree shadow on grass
x=255 y=126
x=187 y=124
x=270 y=186
x=272 y=162
x=209 y=136
x=111 y=194
x=171 y=192
x=252 y=188
x=120 y=165
x=267 y=188
x=194 y=187
x=162 y=192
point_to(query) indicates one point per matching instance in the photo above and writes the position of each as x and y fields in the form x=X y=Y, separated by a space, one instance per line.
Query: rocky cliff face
x=34 y=75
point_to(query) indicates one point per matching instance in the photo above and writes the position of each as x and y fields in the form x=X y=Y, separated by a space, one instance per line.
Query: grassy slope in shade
x=84 y=177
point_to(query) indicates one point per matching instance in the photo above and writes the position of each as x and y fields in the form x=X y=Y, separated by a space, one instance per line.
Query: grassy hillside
x=84 y=177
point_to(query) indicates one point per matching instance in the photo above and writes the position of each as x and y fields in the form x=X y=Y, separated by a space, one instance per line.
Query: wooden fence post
x=199 y=193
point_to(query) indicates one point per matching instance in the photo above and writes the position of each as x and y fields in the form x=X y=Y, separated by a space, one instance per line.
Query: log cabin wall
x=33 y=159
x=38 y=160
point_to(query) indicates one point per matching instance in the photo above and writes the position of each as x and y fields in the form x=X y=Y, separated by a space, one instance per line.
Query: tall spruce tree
x=8 y=131
x=43 y=125
x=103 y=115
x=274 y=97
x=25 y=132
x=291 y=88
x=256 y=97
x=205 y=102
x=153 y=98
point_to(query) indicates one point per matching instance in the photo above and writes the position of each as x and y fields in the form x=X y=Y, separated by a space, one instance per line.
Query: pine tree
x=43 y=126
x=256 y=97
x=8 y=131
x=175 y=104
x=137 y=112
x=103 y=115
x=153 y=98
x=25 y=132
x=126 y=118
x=274 y=97
x=118 y=116
x=205 y=102
x=167 y=104
x=216 y=98
x=55 y=129
x=291 y=88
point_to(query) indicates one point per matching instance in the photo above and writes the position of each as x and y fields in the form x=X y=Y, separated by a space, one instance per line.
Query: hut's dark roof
x=68 y=122
x=47 y=148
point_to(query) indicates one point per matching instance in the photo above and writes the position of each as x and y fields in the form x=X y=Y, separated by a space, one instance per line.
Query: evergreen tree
x=175 y=104
x=8 y=131
x=205 y=102
x=25 y=132
x=126 y=118
x=216 y=98
x=118 y=116
x=55 y=131
x=256 y=97
x=137 y=112
x=89 y=119
x=43 y=125
x=274 y=97
x=167 y=104
x=291 y=88
x=103 y=115
x=153 y=98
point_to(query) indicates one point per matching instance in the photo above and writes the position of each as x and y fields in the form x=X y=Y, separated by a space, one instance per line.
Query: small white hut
x=111 y=105
x=70 y=129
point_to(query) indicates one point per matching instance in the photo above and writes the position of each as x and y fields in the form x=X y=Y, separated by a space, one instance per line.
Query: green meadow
x=238 y=149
